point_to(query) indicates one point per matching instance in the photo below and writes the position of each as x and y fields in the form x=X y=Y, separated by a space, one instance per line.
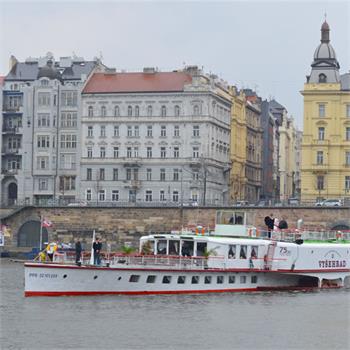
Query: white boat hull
x=57 y=279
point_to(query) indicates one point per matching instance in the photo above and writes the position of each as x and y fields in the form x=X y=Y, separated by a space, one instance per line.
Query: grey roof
x=29 y=70
x=324 y=51
x=275 y=105
x=345 y=81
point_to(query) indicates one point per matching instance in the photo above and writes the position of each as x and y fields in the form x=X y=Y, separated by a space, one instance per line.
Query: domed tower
x=49 y=71
x=325 y=67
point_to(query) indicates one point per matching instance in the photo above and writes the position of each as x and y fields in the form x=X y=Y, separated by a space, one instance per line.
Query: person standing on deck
x=97 y=246
x=78 y=250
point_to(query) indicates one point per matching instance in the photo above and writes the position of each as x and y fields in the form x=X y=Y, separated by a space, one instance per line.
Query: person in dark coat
x=97 y=246
x=78 y=250
x=269 y=222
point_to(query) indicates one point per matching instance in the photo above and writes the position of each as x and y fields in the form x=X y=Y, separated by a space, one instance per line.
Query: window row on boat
x=188 y=246
x=195 y=279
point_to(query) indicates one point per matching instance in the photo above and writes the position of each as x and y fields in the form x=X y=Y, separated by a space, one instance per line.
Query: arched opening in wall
x=340 y=228
x=29 y=234
x=12 y=193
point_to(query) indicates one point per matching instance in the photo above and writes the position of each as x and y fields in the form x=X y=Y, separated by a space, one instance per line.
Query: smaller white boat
x=235 y=257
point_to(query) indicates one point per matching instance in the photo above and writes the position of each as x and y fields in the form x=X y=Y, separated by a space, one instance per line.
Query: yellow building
x=325 y=170
x=238 y=146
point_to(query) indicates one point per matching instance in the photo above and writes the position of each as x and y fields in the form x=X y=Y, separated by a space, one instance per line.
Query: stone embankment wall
x=120 y=225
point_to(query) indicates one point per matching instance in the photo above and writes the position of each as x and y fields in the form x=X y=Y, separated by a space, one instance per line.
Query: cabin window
x=243 y=252
x=232 y=251
x=187 y=248
x=147 y=247
x=220 y=279
x=207 y=279
x=161 y=247
x=151 y=279
x=236 y=219
x=174 y=247
x=254 y=252
x=243 y=279
x=231 y=279
x=201 y=248
x=195 y=280
x=254 y=279
x=166 y=279
x=134 y=278
x=181 y=280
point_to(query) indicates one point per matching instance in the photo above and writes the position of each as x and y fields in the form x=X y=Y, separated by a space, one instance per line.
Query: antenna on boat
x=92 y=248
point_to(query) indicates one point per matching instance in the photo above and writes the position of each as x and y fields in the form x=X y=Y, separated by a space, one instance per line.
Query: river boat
x=235 y=257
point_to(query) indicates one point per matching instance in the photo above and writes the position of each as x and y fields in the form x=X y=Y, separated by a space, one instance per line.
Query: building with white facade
x=40 y=129
x=155 y=137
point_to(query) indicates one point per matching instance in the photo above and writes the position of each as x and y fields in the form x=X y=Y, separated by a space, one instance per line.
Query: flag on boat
x=46 y=223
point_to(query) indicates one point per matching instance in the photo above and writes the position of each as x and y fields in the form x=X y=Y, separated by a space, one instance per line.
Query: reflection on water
x=268 y=320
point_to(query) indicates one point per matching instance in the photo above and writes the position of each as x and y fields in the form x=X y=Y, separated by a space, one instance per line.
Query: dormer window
x=322 y=78
x=45 y=82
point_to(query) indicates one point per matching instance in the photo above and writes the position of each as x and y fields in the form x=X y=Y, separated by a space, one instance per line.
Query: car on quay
x=330 y=203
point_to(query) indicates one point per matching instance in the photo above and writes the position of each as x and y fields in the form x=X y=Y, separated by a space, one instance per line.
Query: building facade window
x=129 y=111
x=43 y=184
x=44 y=99
x=69 y=98
x=129 y=152
x=136 y=131
x=136 y=152
x=102 y=152
x=177 y=111
x=176 y=152
x=149 y=131
x=175 y=196
x=43 y=141
x=176 y=174
x=176 y=131
x=67 y=161
x=162 y=196
x=101 y=174
x=195 y=152
x=347 y=111
x=149 y=111
x=103 y=111
x=90 y=111
x=116 y=111
x=68 y=141
x=115 y=195
x=102 y=195
x=347 y=183
x=116 y=131
x=149 y=152
x=69 y=119
x=322 y=78
x=162 y=174
x=88 y=174
x=347 y=158
x=321 y=133
x=128 y=174
x=103 y=131
x=90 y=131
x=347 y=134
x=115 y=174
x=67 y=183
x=320 y=182
x=88 y=195
x=162 y=152
x=196 y=110
x=137 y=111
x=163 y=131
x=43 y=120
x=115 y=152
x=319 y=158
x=321 y=110
x=89 y=152
x=195 y=131
x=129 y=131
x=149 y=174
x=148 y=196
x=42 y=162
x=163 y=111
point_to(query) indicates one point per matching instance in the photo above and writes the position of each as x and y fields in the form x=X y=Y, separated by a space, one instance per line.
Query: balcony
x=134 y=184
x=9 y=172
x=10 y=151
x=11 y=130
x=12 y=109
x=321 y=142
x=320 y=168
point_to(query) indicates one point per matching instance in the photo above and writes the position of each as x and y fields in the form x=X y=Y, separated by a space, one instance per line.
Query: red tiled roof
x=137 y=82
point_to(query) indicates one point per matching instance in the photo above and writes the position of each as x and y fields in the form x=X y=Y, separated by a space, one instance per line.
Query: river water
x=269 y=320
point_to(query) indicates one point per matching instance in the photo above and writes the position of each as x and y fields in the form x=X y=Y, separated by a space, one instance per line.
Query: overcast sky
x=267 y=46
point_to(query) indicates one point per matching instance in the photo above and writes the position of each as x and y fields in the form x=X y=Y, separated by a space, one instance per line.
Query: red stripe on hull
x=68 y=293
